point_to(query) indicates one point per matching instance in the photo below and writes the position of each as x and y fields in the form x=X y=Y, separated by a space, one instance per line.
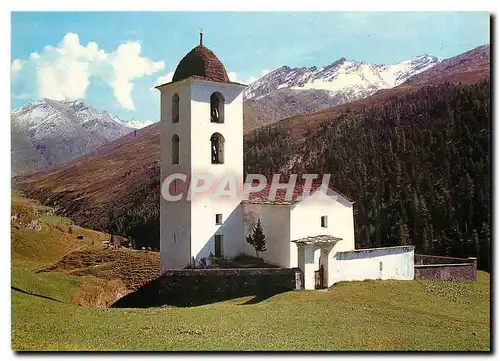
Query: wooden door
x=218 y=246
x=317 y=279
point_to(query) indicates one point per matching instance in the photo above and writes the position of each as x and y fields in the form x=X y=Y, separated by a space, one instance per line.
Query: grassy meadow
x=369 y=315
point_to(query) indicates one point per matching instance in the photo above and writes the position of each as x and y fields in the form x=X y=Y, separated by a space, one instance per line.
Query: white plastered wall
x=193 y=221
x=205 y=208
x=175 y=217
x=276 y=225
x=306 y=220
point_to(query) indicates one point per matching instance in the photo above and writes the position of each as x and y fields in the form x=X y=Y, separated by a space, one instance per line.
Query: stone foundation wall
x=255 y=279
x=192 y=287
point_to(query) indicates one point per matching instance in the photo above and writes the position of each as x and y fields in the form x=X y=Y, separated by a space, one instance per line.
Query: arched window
x=175 y=108
x=175 y=149
x=217 y=108
x=217 y=148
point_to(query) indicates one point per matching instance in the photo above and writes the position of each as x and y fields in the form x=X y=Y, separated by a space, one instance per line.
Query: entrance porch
x=313 y=255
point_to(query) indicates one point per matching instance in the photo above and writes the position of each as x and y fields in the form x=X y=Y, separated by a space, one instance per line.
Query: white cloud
x=16 y=66
x=163 y=79
x=233 y=77
x=128 y=65
x=21 y=96
x=251 y=80
x=64 y=72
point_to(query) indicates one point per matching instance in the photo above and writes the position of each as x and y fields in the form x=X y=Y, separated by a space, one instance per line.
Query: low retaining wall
x=224 y=280
x=446 y=268
x=193 y=287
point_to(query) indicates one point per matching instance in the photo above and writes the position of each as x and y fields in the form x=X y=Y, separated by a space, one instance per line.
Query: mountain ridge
x=469 y=67
x=49 y=132
x=287 y=91
x=365 y=76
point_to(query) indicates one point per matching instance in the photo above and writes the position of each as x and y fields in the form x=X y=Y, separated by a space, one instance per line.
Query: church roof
x=203 y=63
x=264 y=196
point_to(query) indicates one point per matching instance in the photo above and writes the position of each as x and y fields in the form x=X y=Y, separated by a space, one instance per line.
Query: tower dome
x=201 y=62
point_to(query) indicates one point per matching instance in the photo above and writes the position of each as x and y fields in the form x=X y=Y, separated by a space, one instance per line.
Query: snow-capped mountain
x=47 y=115
x=351 y=79
x=49 y=132
x=286 y=92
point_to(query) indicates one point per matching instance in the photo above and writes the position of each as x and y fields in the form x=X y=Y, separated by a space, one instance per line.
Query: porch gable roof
x=320 y=239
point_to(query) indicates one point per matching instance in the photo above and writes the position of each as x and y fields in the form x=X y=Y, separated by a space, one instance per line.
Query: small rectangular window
x=175 y=239
x=218 y=218
x=324 y=221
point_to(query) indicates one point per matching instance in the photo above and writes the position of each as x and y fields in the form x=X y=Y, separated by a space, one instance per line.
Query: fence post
x=474 y=260
x=299 y=280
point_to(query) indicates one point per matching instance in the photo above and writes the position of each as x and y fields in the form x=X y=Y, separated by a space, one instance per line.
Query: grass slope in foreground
x=370 y=315
x=373 y=315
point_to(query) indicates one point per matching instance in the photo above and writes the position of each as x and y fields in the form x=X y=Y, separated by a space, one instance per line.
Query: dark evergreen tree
x=257 y=239
x=249 y=240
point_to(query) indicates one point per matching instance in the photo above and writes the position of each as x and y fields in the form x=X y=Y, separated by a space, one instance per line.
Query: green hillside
x=370 y=315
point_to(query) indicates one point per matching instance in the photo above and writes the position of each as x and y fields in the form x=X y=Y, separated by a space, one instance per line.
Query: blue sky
x=130 y=51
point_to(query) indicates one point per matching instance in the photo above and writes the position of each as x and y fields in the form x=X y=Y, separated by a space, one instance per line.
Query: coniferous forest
x=417 y=166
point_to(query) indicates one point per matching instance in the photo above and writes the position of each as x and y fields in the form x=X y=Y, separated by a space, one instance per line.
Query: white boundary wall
x=374 y=263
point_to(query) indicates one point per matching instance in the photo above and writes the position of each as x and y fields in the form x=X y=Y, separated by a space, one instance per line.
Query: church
x=202 y=133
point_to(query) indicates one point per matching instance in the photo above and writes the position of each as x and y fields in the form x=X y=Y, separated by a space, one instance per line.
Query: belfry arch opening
x=217 y=108
x=175 y=108
x=175 y=149
x=217 y=148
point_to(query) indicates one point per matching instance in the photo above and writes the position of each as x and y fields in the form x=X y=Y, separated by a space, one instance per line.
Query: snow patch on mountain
x=62 y=117
x=49 y=132
x=352 y=79
x=138 y=124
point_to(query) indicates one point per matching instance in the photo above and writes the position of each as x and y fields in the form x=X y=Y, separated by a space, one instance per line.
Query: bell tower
x=201 y=141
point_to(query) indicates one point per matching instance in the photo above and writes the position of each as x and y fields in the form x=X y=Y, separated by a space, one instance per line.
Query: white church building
x=202 y=133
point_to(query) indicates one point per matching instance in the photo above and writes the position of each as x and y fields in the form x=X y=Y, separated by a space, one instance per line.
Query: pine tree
x=403 y=233
x=258 y=239
x=428 y=239
x=249 y=239
x=475 y=240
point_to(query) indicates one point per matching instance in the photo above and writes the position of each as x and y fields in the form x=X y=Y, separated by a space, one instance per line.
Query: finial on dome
x=201 y=36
